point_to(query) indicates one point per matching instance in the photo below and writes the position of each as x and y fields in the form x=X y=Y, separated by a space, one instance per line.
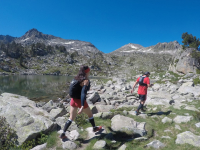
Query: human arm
x=134 y=86
x=84 y=90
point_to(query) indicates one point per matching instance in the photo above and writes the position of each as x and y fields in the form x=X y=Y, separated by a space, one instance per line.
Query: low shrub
x=8 y=137
x=196 y=81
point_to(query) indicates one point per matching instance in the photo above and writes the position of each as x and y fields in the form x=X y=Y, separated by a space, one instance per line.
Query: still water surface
x=35 y=87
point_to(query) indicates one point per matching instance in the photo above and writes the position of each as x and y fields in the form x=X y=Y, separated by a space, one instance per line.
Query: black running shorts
x=142 y=97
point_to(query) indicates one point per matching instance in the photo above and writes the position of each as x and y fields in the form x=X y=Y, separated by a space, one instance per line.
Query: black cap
x=146 y=73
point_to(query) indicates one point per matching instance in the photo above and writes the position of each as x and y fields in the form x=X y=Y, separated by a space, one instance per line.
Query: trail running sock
x=139 y=107
x=91 y=120
x=142 y=106
x=67 y=124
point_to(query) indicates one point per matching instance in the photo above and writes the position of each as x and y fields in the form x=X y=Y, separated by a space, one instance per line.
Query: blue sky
x=108 y=24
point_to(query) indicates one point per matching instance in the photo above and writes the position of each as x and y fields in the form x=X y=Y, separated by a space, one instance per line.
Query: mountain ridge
x=34 y=36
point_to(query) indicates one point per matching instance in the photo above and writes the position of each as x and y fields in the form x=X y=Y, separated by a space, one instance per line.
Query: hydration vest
x=75 y=89
x=141 y=81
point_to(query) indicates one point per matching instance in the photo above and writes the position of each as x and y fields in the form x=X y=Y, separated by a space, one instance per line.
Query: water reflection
x=38 y=88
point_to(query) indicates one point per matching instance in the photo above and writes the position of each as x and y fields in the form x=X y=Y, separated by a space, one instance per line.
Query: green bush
x=81 y=119
x=198 y=71
x=8 y=136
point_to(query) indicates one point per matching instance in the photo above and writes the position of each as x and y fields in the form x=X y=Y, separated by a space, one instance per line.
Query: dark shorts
x=77 y=103
x=142 y=97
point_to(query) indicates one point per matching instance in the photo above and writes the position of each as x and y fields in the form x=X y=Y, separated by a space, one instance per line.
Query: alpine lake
x=37 y=87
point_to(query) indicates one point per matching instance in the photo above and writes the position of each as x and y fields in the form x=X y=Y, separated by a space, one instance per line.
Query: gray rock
x=189 y=138
x=180 y=119
x=123 y=147
x=72 y=135
x=99 y=144
x=69 y=145
x=49 y=106
x=94 y=97
x=197 y=125
x=177 y=127
x=92 y=134
x=128 y=125
x=156 y=144
x=191 y=108
x=189 y=88
x=104 y=108
x=165 y=137
x=55 y=113
x=61 y=122
x=40 y=147
x=166 y=119
x=107 y=115
x=24 y=117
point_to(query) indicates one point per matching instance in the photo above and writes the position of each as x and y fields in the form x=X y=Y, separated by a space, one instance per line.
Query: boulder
x=94 y=97
x=61 y=123
x=69 y=145
x=123 y=147
x=189 y=138
x=58 y=112
x=49 y=106
x=99 y=144
x=128 y=125
x=92 y=134
x=40 y=147
x=189 y=88
x=156 y=144
x=166 y=119
x=104 y=108
x=180 y=119
x=24 y=117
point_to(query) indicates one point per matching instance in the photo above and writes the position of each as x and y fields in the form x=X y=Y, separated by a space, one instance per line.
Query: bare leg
x=73 y=113
x=88 y=112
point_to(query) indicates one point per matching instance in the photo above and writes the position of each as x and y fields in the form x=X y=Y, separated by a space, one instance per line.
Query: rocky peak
x=33 y=32
x=167 y=46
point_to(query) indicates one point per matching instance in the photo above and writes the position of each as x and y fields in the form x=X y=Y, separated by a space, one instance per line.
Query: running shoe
x=96 y=129
x=63 y=136
x=137 y=113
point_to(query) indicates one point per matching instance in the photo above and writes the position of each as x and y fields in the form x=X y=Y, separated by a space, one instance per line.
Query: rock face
x=189 y=138
x=24 y=117
x=183 y=62
x=128 y=125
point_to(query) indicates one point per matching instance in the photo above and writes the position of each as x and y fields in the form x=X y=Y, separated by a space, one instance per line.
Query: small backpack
x=141 y=81
x=75 y=89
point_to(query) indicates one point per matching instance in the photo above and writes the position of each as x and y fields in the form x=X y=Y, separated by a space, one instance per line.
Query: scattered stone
x=166 y=119
x=107 y=115
x=69 y=145
x=177 y=127
x=189 y=138
x=129 y=125
x=156 y=144
x=104 y=108
x=123 y=147
x=141 y=139
x=197 y=125
x=180 y=119
x=165 y=137
x=92 y=134
x=40 y=147
x=99 y=144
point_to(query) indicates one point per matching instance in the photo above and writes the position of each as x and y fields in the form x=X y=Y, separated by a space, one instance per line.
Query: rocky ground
x=171 y=119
